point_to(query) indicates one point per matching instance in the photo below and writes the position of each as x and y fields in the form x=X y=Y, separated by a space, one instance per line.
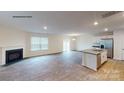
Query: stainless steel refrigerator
x=108 y=45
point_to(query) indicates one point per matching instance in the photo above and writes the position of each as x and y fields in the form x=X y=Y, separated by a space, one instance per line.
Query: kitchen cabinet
x=94 y=59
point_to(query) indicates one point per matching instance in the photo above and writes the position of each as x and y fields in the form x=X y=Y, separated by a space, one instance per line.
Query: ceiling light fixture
x=45 y=27
x=106 y=29
x=96 y=23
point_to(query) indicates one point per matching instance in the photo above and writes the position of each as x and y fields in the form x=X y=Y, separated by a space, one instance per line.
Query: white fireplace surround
x=3 y=53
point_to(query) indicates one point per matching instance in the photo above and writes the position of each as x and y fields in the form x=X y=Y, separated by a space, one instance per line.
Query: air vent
x=22 y=16
x=108 y=14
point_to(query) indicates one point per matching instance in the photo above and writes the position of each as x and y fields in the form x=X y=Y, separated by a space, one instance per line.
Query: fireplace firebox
x=14 y=55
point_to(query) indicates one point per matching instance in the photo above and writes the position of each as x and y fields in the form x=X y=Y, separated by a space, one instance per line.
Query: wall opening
x=66 y=45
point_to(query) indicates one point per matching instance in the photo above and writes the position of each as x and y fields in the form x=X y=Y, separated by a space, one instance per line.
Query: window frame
x=40 y=43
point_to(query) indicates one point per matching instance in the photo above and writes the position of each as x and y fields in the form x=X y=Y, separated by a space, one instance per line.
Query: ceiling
x=63 y=22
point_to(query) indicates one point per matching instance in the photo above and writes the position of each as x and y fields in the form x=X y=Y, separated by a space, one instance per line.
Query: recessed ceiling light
x=106 y=29
x=96 y=23
x=45 y=27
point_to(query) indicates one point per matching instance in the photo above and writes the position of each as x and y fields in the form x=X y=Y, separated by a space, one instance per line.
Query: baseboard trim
x=77 y=50
x=43 y=55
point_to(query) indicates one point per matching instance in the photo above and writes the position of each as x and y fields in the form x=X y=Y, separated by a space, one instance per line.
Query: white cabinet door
x=103 y=57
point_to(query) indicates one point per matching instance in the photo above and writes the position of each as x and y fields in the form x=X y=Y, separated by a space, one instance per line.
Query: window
x=39 y=43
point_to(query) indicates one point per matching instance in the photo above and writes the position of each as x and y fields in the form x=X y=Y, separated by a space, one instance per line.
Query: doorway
x=66 y=45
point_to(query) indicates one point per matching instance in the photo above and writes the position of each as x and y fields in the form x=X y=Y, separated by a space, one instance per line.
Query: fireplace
x=14 y=55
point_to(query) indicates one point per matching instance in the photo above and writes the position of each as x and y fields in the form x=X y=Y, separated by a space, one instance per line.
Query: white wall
x=73 y=43
x=118 y=45
x=10 y=38
x=85 y=41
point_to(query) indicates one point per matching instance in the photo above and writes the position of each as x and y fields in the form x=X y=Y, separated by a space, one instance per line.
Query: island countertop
x=94 y=51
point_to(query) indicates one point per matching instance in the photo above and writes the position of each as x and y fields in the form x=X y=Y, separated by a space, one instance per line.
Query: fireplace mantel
x=3 y=52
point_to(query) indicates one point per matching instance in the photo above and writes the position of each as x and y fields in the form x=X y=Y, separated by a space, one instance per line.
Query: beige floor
x=60 y=67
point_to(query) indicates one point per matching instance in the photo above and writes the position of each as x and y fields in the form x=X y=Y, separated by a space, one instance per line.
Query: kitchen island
x=94 y=58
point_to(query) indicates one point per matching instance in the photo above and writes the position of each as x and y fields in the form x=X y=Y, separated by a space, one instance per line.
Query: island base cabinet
x=93 y=61
x=89 y=61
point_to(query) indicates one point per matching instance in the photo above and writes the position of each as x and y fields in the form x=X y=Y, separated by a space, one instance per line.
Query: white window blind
x=39 y=43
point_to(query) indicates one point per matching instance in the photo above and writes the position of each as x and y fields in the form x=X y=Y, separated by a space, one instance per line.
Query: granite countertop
x=93 y=51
